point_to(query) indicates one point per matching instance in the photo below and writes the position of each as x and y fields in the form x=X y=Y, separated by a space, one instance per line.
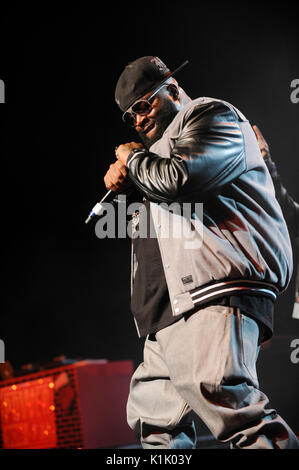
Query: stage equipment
x=82 y=405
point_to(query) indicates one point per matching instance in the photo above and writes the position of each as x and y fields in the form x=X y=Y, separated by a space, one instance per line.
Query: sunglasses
x=142 y=107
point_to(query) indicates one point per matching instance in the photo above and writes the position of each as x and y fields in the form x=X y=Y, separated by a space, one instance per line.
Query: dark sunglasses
x=142 y=107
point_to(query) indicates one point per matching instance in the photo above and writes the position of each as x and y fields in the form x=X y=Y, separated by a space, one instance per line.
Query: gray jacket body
x=237 y=240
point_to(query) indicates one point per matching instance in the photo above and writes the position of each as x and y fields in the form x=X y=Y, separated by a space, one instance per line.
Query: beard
x=161 y=120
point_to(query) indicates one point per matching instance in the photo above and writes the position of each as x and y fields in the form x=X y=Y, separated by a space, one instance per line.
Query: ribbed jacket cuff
x=133 y=154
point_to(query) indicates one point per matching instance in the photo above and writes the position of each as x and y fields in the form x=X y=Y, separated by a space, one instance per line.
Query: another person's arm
x=289 y=207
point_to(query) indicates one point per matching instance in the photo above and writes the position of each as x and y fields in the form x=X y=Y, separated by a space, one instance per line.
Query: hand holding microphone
x=116 y=176
x=116 y=179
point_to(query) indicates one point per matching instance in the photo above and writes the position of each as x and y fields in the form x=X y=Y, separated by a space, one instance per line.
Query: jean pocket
x=250 y=348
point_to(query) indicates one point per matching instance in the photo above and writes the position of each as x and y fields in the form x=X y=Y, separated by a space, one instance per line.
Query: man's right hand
x=263 y=145
x=117 y=178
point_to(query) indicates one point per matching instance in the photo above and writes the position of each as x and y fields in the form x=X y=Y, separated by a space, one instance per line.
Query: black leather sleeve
x=208 y=154
x=289 y=207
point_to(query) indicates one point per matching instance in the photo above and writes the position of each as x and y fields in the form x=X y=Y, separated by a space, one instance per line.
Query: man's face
x=151 y=127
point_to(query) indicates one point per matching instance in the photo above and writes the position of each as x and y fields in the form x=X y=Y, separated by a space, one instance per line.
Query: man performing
x=204 y=307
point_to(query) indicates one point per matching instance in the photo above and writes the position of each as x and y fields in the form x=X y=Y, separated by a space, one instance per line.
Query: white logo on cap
x=158 y=62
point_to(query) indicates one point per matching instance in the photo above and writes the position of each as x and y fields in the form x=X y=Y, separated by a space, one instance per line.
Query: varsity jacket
x=238 y=242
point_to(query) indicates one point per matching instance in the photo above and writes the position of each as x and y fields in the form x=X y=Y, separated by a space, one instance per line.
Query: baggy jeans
x=207 y=364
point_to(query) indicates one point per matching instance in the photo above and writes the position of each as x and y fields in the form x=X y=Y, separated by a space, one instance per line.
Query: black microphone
x=98 y=209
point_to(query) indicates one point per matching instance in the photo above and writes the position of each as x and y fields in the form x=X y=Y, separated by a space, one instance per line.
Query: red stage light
x=82 y=405
x=27 y=417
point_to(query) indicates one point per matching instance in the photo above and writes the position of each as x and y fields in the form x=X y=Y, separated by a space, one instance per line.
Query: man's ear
x=173 y=90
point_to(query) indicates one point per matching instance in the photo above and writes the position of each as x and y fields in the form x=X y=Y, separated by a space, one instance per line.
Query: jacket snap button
x=177 y=310
x=175 y=301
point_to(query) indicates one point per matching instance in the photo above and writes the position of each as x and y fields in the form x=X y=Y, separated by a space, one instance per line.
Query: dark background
x=64 y=291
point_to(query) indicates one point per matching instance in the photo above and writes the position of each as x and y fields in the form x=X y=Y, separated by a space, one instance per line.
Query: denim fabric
x=206 y=363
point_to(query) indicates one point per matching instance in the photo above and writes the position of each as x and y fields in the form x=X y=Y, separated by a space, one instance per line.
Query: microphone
x=98 y=209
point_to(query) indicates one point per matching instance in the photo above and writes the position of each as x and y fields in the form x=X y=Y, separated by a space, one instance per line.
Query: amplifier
x=82 y=405
x=278 y=372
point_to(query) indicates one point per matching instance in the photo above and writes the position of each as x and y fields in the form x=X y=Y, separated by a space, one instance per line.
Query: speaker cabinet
x=82 y=405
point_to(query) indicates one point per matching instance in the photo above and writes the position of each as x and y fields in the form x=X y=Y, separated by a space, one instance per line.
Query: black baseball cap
x=139 y=77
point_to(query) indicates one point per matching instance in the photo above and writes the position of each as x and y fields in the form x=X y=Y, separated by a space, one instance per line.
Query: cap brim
x=170 y=74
